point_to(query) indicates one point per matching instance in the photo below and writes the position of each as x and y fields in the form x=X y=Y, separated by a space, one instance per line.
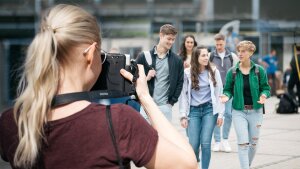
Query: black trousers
x=294 y=81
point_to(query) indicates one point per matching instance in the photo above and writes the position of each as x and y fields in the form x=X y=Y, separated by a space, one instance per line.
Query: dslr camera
x=111 y=80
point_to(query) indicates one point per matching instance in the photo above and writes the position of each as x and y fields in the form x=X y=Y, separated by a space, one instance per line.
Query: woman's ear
x=89 y=53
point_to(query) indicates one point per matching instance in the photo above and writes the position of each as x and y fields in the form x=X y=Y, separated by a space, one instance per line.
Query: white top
x=216 y=92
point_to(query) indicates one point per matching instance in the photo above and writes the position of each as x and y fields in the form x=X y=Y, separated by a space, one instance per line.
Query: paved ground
x=279 y=146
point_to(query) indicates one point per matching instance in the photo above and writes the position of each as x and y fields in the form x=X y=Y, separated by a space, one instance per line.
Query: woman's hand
x=224 y=98
x=184 y=122
x=141 y=82
x=262 y=99
x=151 y=74
x=186 y=64
x=219 y=122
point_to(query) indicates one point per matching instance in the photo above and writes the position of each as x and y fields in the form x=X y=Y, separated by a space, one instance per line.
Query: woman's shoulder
x=7 y=118
x=124 y=112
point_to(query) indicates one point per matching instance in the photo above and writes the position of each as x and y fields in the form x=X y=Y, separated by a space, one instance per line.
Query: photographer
x=65 y=58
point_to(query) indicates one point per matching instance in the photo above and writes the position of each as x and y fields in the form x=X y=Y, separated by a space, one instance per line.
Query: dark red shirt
x=82 y=140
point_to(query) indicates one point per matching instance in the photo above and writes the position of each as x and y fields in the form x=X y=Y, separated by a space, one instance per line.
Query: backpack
x=257 y=74
x=148 y=58
x=287 y=104
x=211 y=58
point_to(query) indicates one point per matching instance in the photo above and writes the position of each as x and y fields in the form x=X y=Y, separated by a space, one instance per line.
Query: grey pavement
x=278 y=148
x=279 y=145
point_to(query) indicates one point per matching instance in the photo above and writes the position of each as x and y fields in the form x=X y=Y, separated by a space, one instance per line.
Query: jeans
x=166 y=109
x=247 y=124
x=227 y=123
x=200 y=129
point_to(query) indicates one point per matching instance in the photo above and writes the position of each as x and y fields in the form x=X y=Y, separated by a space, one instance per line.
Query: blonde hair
x=248 y=45
x=62 y=28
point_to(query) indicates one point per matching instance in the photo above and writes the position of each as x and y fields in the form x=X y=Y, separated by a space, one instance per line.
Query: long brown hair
x=183 y=52
x=195 y=68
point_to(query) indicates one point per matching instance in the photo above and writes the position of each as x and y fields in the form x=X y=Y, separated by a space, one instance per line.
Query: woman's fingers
x=126 y=74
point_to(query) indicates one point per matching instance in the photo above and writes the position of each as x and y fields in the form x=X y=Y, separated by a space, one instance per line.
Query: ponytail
x=37 y=87
x=64 y=27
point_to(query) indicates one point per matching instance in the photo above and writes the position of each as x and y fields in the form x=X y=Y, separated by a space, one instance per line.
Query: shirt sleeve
x=137 y=139
x=228 y=86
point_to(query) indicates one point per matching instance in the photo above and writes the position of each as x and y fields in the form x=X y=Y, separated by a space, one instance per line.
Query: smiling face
x=167 y=40
x=203 y=57
x=189 y=44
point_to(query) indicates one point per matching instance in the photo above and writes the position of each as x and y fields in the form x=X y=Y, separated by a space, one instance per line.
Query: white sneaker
x=226 y=146
x=216 y=147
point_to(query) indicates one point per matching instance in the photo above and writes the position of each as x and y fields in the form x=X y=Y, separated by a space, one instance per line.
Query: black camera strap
x=63 y=99
x=113 y=136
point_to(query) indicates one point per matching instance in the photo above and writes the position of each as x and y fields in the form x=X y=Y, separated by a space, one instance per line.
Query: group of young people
x=222 y=77
x=34 y=134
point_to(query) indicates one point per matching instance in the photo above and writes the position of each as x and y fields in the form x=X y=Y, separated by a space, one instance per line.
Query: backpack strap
x=256 y=72
x=233 y=75
x=231 y=59
x=148 y=58
x=212 y=56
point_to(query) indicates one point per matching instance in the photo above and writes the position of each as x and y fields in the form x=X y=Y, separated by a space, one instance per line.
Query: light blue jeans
x=200 y=129
x=227 y=123
x=247 y=124
x=166 y=109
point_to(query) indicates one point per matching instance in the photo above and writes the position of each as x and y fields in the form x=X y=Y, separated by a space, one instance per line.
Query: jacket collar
x=252 y=65
x=227 y=52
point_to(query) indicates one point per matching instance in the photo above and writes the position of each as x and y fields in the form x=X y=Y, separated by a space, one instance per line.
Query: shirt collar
x=155 y=51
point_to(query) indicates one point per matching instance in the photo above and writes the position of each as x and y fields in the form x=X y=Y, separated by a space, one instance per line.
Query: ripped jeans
x=247 y=124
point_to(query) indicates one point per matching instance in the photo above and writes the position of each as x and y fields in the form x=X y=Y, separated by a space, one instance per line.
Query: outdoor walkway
x=279 y=146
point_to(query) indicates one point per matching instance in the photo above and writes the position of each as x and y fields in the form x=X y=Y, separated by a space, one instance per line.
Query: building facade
x=131 y=26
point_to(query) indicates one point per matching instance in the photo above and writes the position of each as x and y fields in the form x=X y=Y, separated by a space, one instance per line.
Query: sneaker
x=216 y=147
x=226 y=146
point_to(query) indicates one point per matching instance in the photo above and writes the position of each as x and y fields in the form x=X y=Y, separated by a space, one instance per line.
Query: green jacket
x=236 y=91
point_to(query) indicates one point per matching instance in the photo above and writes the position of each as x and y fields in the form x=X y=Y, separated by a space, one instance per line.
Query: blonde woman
x=64 y=57
x=247 y=83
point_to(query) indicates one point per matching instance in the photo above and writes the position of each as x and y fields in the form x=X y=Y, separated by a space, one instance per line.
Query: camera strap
x=63 y=99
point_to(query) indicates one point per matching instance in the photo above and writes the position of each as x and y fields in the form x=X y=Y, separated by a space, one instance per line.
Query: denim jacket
x=185 y=97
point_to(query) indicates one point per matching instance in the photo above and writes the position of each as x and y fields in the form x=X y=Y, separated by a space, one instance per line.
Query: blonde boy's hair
x=248 y=45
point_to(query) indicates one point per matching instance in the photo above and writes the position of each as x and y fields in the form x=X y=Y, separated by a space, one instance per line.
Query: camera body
x=110 y=78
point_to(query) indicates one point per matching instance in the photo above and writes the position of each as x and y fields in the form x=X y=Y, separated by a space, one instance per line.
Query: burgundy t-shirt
x=83 y=141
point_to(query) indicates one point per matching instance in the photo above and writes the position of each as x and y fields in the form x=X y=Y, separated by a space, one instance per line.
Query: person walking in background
x=223 y=59
x=294 y=79
x=34 y=134
x=186 y=50
x=247 y=83
x=270 y=63
x=165 y=74
x=199 y=104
